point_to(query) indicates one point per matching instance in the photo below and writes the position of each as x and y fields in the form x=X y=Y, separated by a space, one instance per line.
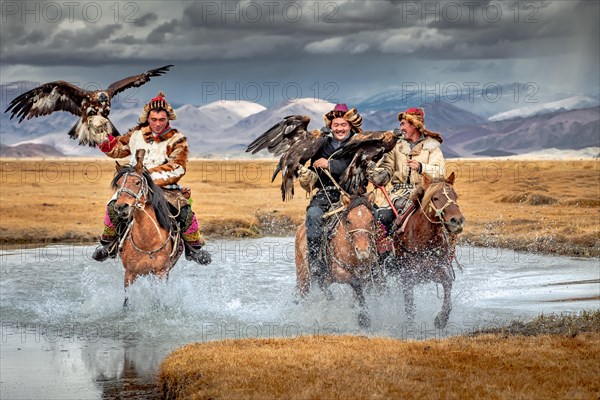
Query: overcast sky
x=264 y=51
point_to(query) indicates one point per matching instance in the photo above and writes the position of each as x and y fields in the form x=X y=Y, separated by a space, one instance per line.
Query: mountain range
x=470 y=126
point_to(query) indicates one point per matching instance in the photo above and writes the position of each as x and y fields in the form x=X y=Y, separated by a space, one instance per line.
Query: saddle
x=387 y=225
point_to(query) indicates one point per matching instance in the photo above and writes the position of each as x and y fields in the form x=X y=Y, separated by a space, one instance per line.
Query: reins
x=138 y=205
x=348 y=234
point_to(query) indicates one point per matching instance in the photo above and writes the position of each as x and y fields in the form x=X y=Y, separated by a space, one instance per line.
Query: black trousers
x=319 y=205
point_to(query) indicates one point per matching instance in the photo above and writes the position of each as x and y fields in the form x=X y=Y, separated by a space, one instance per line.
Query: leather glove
x=307 y=179
x=379 y=176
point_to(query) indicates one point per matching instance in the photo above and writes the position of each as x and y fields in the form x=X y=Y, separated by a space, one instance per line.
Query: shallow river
x=66 y=336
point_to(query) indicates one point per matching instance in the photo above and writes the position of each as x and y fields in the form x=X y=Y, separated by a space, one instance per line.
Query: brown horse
x=350 y=253
x=425 y=248
x=151 y=243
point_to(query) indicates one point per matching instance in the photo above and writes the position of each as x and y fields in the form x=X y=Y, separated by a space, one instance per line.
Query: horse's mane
x=156 y=197
x=420 y=195
x=356 y=201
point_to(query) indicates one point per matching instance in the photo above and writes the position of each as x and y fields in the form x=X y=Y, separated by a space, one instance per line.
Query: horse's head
x=132 y=187
x=359 y=225
x=439 y=203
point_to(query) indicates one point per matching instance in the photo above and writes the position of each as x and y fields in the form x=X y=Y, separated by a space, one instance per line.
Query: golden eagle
x=368 y=148
x=92 y=106
x=290 y=139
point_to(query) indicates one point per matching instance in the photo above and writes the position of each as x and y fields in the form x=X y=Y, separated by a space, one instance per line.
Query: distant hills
x=29 y=150
x=223 y=129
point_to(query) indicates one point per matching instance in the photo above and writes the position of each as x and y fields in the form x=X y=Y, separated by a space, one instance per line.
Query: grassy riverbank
x=542 y=206
x=500 y=365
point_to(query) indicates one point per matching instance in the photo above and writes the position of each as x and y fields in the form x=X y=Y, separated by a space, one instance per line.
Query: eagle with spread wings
x=92 y=106
x=368 y=148
x=294 y=143
x=291 y=140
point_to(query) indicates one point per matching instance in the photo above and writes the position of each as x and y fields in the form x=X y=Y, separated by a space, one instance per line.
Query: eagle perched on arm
x=92 y=106
x=296 y=145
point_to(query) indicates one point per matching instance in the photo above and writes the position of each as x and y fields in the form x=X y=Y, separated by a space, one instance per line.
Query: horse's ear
x=450 y=179
x=118 y=166
x=426 y=180
x=139 y=158
x=345 y=200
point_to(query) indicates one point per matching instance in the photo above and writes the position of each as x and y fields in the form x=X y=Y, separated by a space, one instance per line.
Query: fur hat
x=416 y=117
x=157 y=103
x=342 y=111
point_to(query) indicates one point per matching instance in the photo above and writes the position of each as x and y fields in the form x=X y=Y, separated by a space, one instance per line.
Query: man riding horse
x=418 y=153
x=166 y=159
x=343 y=123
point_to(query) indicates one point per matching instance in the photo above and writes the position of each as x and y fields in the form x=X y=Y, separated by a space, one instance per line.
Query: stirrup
x=103 y=252
x=200 y=256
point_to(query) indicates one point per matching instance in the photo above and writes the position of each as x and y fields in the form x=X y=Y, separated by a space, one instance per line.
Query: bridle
x=139 y=205
x=136 y=196
x=438 y=212
x=349 y=234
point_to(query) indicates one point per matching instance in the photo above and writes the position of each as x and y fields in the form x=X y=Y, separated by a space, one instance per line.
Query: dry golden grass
x=350 y=367
x=549 y=206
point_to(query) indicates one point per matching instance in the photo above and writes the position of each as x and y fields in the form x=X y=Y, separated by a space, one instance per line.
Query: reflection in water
x=122 y=370
x=63 y=324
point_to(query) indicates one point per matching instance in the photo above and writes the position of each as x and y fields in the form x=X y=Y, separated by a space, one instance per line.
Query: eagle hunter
x=291 y=140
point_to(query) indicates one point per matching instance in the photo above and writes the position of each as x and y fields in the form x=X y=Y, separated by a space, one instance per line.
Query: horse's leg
x=442 y=318
x=364 y=320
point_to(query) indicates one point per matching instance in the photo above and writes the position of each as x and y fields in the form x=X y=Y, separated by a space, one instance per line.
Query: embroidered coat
x=166 y=157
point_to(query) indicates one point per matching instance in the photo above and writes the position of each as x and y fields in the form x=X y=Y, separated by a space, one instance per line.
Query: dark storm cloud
x=32 y=38
x=85 y=38
x=146 y=19
x=443 y=30
x=445 y=37
x=298 y=19
x=127 y=40
x=159 y=34
x=547 y=32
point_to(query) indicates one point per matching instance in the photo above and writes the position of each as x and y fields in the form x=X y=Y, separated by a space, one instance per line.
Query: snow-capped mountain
x=232 y=140
x=225 y=128
x=222 y=114
x=575 y=129
x=480 y=98
x=571 y=103
x=438 y=117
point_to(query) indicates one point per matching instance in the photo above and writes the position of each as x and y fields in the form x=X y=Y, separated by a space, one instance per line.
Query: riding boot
x=316 y=265
x=194 y=252
x=108 y=248
x=110 y=236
